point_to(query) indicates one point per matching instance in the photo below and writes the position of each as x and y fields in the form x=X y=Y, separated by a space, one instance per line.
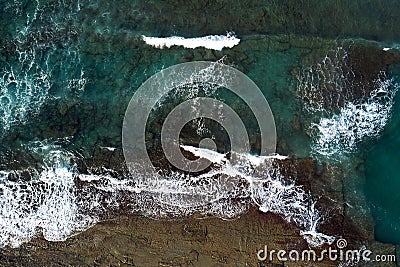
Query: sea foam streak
x=215 y=42
x=355 y=121
x=22 y=93
x=25 y=84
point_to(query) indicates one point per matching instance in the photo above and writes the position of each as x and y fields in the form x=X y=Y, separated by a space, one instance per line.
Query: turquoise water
x=383 y=180
x=68 y=70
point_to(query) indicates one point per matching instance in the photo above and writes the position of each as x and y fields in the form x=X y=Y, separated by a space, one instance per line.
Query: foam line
x=214 y=42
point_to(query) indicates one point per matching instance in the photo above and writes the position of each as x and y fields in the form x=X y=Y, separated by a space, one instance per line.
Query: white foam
x=219 y=158
x=108 y=148
x=89 y=177
x=312 y=236
x=324 y=85
x=46 y=204
x=26 y=79
x=386 y=48
x=25 y=85
x=266 y=189
x=226 y=191
x=245 y=178
x=258 y=160
x=344 y=120
x=356 y=121
x=211 y=155
x=21 y=93
x=215 y=42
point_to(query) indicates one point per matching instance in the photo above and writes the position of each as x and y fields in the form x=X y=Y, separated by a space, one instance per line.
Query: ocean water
x=68 y=70
x=382 y=177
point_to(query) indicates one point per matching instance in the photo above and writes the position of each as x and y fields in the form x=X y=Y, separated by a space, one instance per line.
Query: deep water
x=382 y=172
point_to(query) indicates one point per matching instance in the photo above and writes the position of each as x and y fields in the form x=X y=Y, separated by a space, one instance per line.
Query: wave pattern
x=46 y=203
x=355 y=122
x=23 y=90
x=327 y=85
x=346 y=118
x=31 y=71
x=58 y=201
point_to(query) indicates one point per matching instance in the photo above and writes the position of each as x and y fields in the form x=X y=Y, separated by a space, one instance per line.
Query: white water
x=25 y=85
x=26 y=79
x=214 y=42
x=237 y=178
x=46 y=204
x=322 y=86
x=355 y=122
x=50 y=204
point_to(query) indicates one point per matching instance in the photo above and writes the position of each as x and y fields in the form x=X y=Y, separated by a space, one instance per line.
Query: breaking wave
x=355 y=122
x=215 y=42
x=58 y=201
x=43 y=64
x=46 y=203
x=327 y=90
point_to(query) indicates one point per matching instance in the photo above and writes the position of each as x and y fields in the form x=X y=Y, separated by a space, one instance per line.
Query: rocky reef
x=134 y=240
